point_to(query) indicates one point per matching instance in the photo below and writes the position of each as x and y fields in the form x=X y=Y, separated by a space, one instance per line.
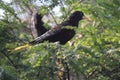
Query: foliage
x=94 y=56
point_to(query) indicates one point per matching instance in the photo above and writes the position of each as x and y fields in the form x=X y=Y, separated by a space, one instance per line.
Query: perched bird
x=62 y=35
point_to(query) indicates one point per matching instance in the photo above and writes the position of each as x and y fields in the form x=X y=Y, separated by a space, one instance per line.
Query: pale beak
x=87 y=18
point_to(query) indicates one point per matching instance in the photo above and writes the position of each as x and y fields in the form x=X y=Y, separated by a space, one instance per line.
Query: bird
x=57 y=34
x=64 y=35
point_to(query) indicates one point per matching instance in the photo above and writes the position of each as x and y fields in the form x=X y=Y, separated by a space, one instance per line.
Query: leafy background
x=93 y=56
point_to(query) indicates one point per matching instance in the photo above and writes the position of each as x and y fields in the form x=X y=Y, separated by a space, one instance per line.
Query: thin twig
x=54 y=18
x=93 y=73
x=12 y=31
x=67 y=70
x=9 y=59
x=63 y=6
x=50 y=11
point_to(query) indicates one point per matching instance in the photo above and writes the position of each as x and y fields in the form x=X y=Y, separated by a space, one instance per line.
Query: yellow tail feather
x=26 y=46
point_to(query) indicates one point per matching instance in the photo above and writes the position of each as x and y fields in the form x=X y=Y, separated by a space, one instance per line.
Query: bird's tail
x=26 y=46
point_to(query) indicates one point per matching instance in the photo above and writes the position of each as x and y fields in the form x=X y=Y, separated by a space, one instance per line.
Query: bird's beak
x=87 y=18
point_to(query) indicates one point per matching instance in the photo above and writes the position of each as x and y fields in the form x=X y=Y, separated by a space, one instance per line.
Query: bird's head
x=76 y=17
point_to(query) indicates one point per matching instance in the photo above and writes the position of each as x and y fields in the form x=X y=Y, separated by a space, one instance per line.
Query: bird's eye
x=82 y=14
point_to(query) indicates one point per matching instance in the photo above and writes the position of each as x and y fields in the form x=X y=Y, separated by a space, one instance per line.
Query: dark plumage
x=74 y=19
x=64 y=35
x=39 y=25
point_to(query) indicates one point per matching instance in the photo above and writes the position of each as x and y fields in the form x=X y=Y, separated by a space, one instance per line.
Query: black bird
x=64 y=35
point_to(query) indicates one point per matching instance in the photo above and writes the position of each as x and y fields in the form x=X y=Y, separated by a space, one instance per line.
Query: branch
x=9 y=59
x=53 y=18
x=110 y=72
x=50 y=11
x=33 y=23
x=66 y=74
x=63 y=6
x=11 y=31
x=92 y=74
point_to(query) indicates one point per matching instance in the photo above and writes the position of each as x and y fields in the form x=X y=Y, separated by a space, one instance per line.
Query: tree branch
x=9 y=59
x=66 y=75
